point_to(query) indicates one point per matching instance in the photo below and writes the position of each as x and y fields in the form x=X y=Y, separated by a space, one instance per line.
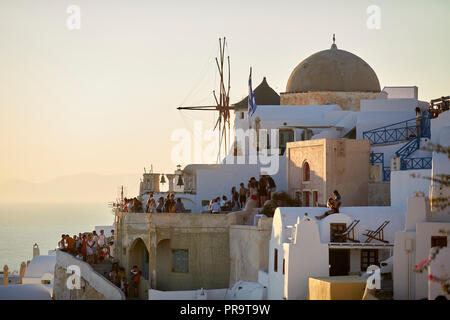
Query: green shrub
x=279 y=199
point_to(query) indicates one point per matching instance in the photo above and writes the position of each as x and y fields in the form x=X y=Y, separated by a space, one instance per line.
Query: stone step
x=101 y=268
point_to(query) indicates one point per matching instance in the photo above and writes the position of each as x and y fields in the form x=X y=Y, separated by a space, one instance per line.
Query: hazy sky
x=103 y=98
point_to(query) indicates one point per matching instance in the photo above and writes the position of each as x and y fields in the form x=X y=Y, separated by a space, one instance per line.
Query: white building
x=41 y=271
x=335 y=94
x=331 y=94
x=422 y=227
x=303 y=247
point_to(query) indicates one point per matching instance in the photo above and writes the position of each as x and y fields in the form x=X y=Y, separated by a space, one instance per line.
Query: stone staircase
x=102 y=267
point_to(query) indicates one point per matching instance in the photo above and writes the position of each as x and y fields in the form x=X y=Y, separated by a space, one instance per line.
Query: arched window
x=305 y=171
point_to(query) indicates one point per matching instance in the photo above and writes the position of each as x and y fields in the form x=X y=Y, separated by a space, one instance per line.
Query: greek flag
x=251 y=97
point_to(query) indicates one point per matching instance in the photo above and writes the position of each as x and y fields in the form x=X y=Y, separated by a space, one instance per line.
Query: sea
x=23 y=225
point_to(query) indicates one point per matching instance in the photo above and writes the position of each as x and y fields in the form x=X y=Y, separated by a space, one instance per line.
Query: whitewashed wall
x=403 y=185
x=424 y=232
x=439 y=267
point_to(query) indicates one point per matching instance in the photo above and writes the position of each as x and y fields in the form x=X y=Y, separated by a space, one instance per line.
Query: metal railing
x=386 y=174
x=376 y=158
x=408 y=148
x=415 y=163
x=395 y=132
x=411 y=130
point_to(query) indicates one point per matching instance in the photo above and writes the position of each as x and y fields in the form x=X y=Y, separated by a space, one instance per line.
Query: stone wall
x=347 y=100
x=93 y=286
x=335 y=164
x=379 y=194
x=249 y=250
x=206 y=237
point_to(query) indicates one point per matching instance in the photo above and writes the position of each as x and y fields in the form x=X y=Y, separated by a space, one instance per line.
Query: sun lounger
x=377 y=234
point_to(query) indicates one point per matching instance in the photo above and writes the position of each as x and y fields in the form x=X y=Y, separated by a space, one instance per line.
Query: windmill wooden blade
x=217 y=122
x=222 y=99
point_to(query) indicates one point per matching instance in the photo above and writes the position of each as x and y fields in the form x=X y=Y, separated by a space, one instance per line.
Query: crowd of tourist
x=95 y=248
x=119 y=278
x=166 y=204
x=259 y=190
x=436 y=108
x=256 y=190
x=90 y=247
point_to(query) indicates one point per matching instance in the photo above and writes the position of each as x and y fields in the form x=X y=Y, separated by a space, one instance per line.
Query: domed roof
x=333 y=70
x=264 y=95
x=40 y=265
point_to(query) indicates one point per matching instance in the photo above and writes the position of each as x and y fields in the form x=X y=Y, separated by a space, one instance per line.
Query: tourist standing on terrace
x=95 y=247
x=84 y=247
x=123 y=281
x=160 y=207
x=179 y=206
x=102 y=244
x=90 y=244
x=234 y=199
x=172 y=205
x=272 y=187
x=62 y=243
x=215 y=207
x=418 y=120
x=70 y=244
x=242 y=195
x=152 y=206
x=137 y=205
x=254 y=189
x=223 y=203
x=114 y=274
x=128 y=205
x=149 y=201
x=79 y=242
x=262 y=190
x=167 y=203
x=210 y=205
x=135 y=278
x=102 y=239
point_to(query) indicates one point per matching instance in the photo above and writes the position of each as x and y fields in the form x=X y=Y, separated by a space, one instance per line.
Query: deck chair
x=376 y=234
x=349 y=233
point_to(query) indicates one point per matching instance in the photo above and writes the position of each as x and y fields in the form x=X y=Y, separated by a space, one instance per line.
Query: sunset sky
x=103 y=99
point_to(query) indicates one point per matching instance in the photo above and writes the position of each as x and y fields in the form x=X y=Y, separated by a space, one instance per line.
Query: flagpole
x=249 y=97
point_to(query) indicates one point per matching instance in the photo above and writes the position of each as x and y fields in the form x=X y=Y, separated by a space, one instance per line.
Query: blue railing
x=401 y=131
x=395 y=132
x=376 y=158
x=408 y=148
x=386 y=174
x=415 y=163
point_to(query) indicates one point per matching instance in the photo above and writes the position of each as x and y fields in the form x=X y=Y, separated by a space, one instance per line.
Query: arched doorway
x=138 y=255
x=163 y=259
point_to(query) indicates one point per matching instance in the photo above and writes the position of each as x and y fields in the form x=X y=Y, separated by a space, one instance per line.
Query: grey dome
x=333 y=70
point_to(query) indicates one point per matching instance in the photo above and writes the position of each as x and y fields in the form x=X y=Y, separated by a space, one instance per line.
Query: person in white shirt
x=223 y=202
x=215 y=207
x=102 y=239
